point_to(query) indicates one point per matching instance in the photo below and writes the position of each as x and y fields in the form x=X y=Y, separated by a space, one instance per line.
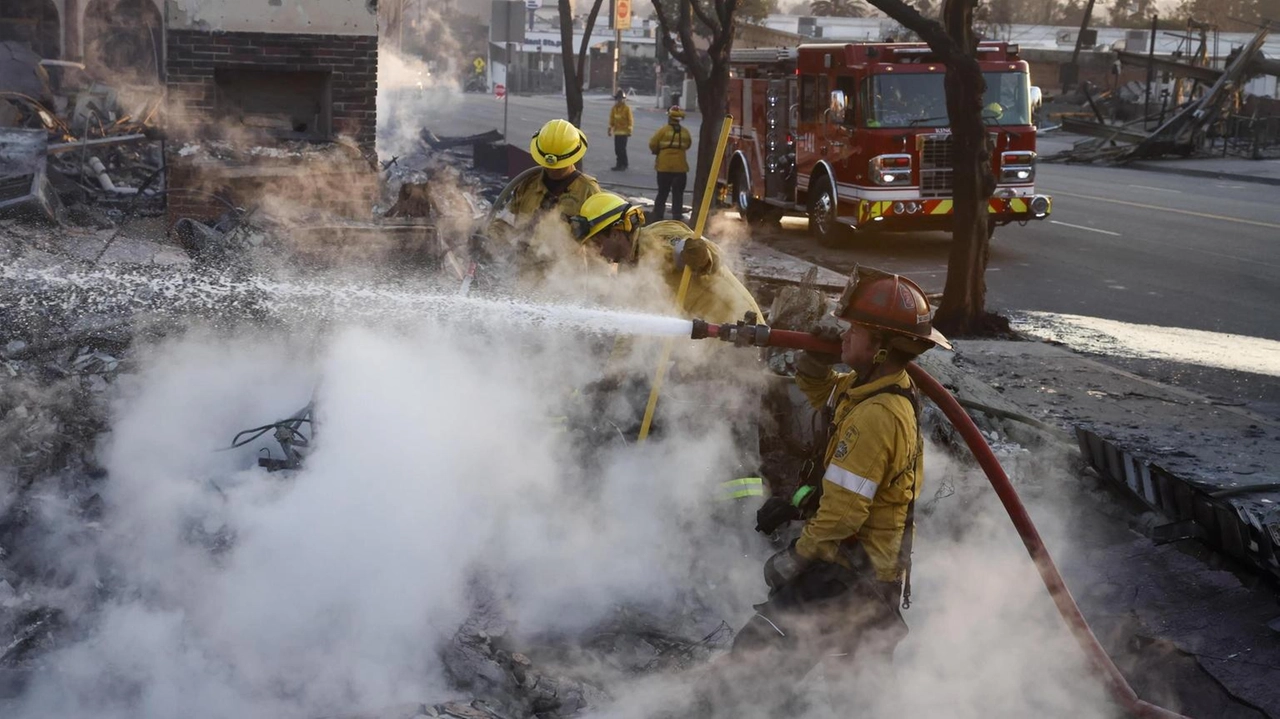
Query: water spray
x=747 y=332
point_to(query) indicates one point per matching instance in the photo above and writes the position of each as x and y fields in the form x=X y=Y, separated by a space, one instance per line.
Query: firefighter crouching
x=835 y=591
x=613 y=228
x=557 y=191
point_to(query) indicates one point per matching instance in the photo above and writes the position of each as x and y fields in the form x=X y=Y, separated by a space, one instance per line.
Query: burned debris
x=1198 y=109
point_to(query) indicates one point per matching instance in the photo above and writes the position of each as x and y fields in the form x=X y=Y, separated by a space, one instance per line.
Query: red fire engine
x=856 y=135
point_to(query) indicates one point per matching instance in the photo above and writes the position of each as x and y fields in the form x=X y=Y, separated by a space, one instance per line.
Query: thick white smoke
x=436 y=455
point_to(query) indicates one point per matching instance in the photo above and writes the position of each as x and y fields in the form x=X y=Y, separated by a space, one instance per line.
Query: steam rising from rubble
x=411 y=96
x=210 y=588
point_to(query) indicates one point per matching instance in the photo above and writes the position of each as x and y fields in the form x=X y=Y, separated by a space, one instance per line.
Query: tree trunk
x=713 y=103
x=572 y=83
x=963 y=308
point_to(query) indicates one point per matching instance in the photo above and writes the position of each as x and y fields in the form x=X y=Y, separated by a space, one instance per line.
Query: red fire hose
x=750 y=334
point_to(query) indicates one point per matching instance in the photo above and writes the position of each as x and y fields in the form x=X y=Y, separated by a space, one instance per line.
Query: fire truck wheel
x=822 y=213
x=741 y=189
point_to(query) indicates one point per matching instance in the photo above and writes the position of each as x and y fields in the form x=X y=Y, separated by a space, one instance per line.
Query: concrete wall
x=324 y=17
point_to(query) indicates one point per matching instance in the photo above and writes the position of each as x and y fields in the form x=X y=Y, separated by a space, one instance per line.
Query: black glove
x=783 y=567
x=814 y=364
x=774 y=513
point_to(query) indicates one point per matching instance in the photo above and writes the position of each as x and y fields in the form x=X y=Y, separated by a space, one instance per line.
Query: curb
x=1213 y=174
x=1234 y=529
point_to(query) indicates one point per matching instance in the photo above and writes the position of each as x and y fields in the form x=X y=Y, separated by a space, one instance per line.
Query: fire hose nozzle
x=747 y=332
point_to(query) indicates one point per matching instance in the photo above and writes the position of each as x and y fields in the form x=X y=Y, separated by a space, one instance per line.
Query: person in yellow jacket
x=621 y=123
x=835 y=591
x=671 y=145
x=555 y=193
x=614 y=228
x=656 y=255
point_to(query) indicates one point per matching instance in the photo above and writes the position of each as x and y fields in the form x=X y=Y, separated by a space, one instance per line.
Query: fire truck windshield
x=919 y=100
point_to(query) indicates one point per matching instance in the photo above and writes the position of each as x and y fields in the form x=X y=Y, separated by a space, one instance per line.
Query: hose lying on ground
x=1049 y=573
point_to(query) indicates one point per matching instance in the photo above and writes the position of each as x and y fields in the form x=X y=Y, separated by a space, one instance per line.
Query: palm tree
x=838 y=8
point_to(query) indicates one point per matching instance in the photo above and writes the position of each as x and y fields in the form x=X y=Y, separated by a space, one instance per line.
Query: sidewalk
x=1266 y=172
x=1200 y=473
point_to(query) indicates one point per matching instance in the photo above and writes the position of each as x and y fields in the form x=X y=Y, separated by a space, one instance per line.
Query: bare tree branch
x=726 y=9
x=664 y=26
x=703 y=16
x=928 y=30
x=586 y=39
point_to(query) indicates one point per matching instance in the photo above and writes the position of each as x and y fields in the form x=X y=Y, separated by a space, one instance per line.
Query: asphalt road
x=1127 y=245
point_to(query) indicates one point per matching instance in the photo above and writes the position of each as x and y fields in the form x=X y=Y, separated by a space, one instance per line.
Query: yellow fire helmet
x=675 y=113
x=558 y=144
x=602 y=211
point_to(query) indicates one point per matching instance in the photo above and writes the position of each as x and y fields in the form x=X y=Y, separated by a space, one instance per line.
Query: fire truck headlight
x=1040 y=206
x=899 y=208
x=1018 y=166
x=890 y=169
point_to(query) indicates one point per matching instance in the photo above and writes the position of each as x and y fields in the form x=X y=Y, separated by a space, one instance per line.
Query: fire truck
x=855 y=136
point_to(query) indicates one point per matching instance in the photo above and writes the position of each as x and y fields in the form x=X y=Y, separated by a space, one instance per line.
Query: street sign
x=478 y=64
x=507 y=21
x=622 y=14
x=533 y=4
x=499 y=90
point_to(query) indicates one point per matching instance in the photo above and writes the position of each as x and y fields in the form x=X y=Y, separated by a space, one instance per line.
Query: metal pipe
x=964 y=425
x=115 y=140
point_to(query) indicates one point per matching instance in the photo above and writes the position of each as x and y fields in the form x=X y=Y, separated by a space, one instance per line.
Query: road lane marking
x=1193 y=213
x=1157 y=189
x=1082 y=227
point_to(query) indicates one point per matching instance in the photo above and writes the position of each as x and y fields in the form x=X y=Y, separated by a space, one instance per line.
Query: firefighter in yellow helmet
x=671 y=145
x=835 y=591
x=613 y=227
x=558 y=190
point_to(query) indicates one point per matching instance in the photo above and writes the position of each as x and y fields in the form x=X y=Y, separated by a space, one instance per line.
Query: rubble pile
x=83 y=144
x=1209 y=108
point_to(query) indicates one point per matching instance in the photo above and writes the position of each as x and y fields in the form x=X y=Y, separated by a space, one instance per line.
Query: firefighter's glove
x=783 y=567
x=817 y=364
x=814 y=364
x=774 y=513
x=695 y=253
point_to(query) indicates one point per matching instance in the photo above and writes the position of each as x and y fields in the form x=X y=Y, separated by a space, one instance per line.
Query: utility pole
x=1151 y=70
x=506 y=80
x=1071 y=75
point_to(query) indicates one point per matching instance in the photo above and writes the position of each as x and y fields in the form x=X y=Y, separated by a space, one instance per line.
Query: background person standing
x=621 y=123
x=671 y=144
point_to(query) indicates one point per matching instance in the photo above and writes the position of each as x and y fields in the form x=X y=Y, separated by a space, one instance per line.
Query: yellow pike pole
x=703 y=210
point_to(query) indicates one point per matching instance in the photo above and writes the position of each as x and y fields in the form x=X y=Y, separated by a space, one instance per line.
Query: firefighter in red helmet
x=835 y=592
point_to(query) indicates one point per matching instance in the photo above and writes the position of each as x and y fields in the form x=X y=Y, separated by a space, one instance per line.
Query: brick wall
x=194 y=55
